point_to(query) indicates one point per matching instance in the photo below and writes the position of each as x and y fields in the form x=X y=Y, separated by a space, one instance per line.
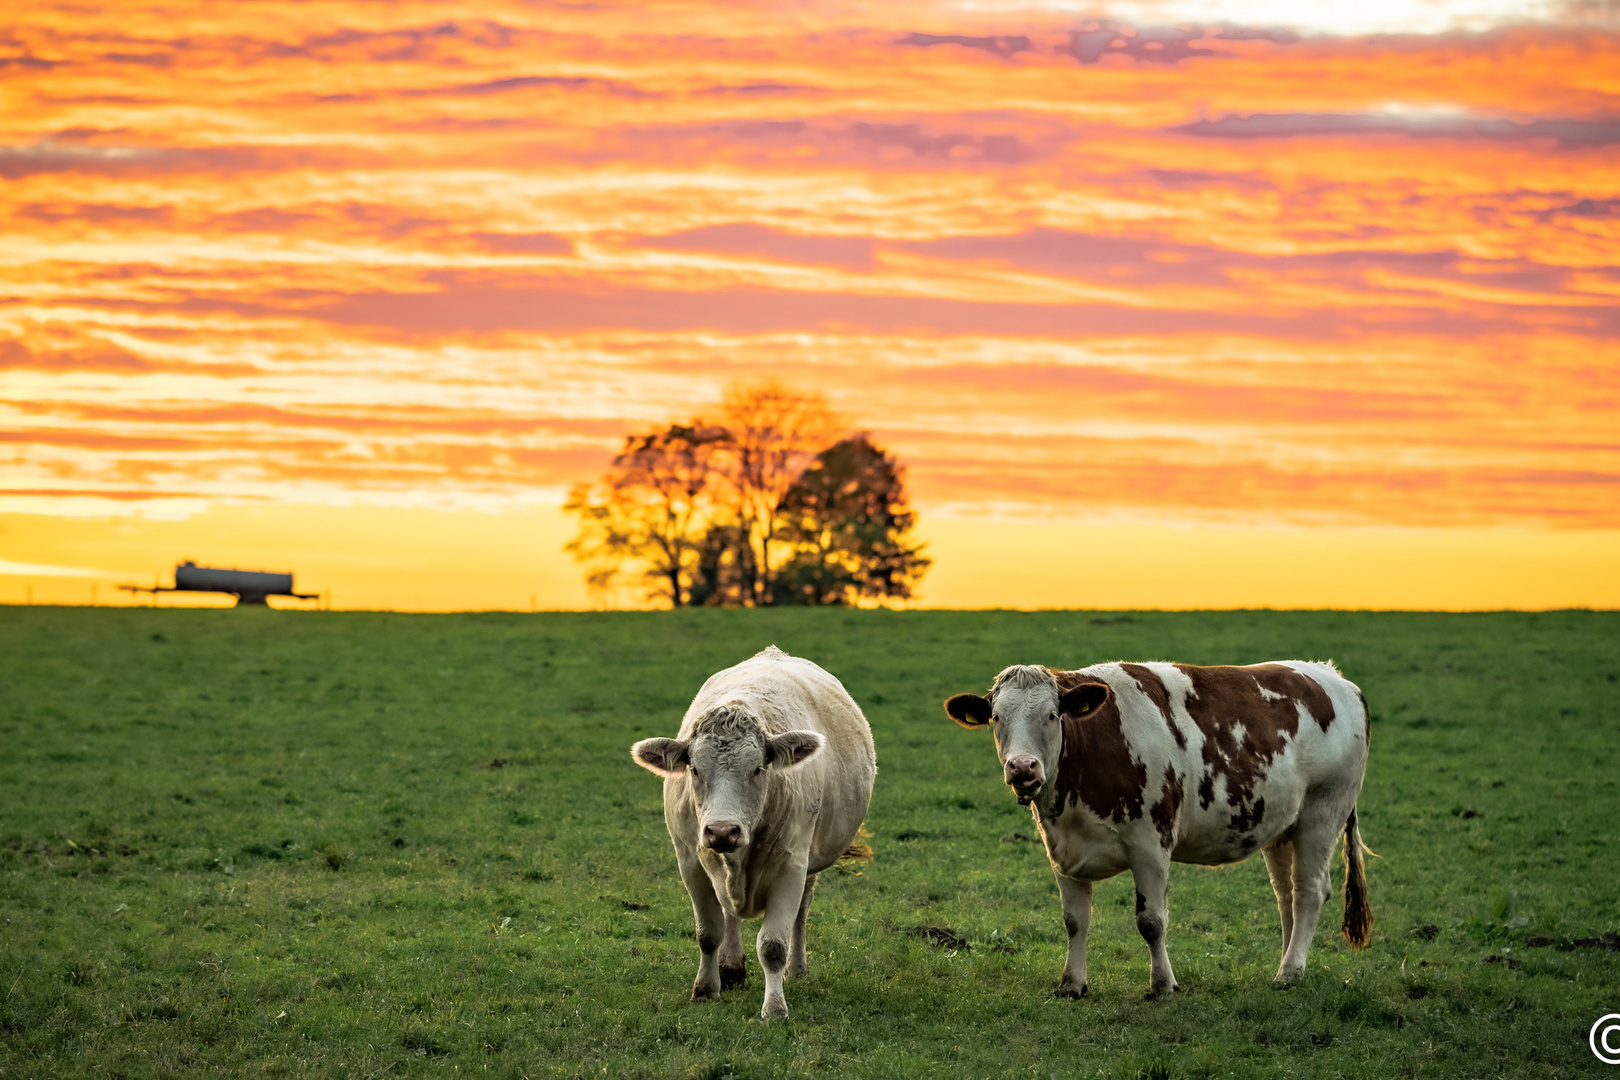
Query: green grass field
x=354 y=845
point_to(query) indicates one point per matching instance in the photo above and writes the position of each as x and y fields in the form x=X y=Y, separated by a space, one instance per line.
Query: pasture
x=260 y=843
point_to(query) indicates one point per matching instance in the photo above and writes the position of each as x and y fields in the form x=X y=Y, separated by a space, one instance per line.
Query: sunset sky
x=1181 y=304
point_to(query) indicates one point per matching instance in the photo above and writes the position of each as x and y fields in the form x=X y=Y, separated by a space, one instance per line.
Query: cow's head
x=729 y=760
x=1023 y=709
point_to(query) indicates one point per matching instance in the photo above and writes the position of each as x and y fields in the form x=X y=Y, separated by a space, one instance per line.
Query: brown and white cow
x=1135 y=766
x=765 y=787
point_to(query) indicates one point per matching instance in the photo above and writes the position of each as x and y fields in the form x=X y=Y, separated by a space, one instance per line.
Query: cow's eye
x=759 y=770
x=994 y=718
x=1051 y=717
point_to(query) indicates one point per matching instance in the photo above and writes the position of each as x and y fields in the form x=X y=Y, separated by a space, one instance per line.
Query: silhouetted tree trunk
x=725 y=572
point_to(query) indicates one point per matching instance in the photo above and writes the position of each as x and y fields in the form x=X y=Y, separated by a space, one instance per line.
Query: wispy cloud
x=44 y=570
x=1292 y=125
x=1166 y=261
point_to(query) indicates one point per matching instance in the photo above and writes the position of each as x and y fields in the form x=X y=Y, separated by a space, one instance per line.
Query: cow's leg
x=776 y=934
x=1152 y=876
x=711 y=923
x=796 y=961
x=1077 y=921
x=733 y=968
x=1313 y=849
x=1280 y=865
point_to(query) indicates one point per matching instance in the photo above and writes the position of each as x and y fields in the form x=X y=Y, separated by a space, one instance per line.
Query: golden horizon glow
x=1110 y=269
x=414 y=559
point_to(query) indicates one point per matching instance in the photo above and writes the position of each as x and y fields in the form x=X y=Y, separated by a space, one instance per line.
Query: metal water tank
x=250 y=586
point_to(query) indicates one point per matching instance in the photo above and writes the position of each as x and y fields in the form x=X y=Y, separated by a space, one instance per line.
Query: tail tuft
x=856 y=853
x=1358 y=917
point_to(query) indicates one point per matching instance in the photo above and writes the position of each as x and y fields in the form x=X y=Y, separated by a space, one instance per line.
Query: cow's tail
x=856 y=853
x=1358 y=918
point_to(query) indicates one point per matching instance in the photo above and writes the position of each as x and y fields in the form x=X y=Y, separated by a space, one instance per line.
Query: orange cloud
x=314 y=251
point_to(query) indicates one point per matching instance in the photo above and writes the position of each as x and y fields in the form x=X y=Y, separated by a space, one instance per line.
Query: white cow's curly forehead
x=728 y=725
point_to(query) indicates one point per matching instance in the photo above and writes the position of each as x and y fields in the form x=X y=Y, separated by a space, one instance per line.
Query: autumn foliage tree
x=845 y=520
x=651 y=509
x=774 y=434
x=766 y=507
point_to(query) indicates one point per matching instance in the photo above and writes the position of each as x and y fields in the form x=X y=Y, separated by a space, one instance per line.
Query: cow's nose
x=722 y=836
x=1023 y=773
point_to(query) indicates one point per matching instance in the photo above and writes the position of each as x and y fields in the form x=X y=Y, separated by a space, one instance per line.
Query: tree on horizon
x=650 y=509
x=768 y=507
x=845 y=519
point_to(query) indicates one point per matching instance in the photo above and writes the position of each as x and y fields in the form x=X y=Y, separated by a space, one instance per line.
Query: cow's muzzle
x=1023 y=775
x=722 y=836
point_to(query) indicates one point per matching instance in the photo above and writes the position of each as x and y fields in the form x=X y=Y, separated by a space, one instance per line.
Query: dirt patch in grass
x=941 y=936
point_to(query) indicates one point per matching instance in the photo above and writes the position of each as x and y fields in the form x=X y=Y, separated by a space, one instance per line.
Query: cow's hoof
x=705 y=993
x=796 y=969
x=732 y=976
x=1287 y=978
x=1071 y=991
x=1158 y=992
x=773 y=1009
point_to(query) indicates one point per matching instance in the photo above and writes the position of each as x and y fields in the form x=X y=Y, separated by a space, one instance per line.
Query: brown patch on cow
x=1284 y=680
x=1224 y=699
x=1154 y=688
x=1165 y=810
x=1246 y=819
x=1096 y=766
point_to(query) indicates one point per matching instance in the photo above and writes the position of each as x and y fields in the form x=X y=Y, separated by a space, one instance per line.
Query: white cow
x=1135 y=766
x=765 y=787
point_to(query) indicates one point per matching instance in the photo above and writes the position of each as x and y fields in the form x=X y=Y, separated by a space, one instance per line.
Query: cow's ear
x=1086 y=698
x=666 y=757
x=969 y=710
x=791 y=747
